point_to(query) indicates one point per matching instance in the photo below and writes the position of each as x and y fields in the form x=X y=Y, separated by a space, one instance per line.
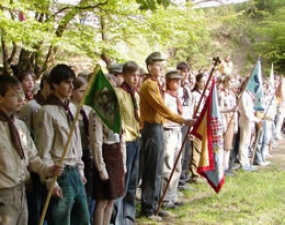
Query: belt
x=71 y=168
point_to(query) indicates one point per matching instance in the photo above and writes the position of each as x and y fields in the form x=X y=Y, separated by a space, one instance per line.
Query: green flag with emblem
x=103 y=99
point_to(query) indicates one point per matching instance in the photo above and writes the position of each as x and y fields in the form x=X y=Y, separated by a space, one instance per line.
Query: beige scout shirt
x=13 y=169
x=28 y=113
x=51 y=134
x=131 y=125
x=100 y=134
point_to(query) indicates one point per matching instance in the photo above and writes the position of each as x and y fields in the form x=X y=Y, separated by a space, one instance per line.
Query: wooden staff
x=260 y=130
x=235 y=108
x=67 y=144
x=216 y=62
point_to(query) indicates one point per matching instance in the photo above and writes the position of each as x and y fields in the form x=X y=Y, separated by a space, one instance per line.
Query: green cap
x=155 y=56
x=116 y=68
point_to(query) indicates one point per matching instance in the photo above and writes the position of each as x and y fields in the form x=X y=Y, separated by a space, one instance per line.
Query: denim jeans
x=186 y=155
x=124 y=212
x=72 y=208
x=258 y=157
x=152 y=162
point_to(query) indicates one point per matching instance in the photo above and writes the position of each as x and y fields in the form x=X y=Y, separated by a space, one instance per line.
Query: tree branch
x=80 y=7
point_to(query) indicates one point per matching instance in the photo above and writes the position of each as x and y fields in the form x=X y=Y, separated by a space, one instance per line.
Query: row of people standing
x=103 y=166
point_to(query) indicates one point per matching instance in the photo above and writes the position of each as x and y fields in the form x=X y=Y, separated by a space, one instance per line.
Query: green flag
x=103 y=99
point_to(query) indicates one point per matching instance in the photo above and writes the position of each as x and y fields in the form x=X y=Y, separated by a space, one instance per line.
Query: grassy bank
x=247 y=198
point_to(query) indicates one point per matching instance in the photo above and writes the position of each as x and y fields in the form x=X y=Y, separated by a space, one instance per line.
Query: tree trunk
x=6 y=64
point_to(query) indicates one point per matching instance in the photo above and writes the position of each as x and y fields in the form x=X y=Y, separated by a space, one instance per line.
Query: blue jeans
x=72 y=208
x=152 y=162
x=258 y=157
x=186 y=155
x=124 y=212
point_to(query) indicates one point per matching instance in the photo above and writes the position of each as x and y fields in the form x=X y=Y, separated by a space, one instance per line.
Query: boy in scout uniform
x=54 y=121
x=18 y=155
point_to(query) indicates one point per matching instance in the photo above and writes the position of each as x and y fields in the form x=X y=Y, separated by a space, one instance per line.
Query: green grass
x=247 y=198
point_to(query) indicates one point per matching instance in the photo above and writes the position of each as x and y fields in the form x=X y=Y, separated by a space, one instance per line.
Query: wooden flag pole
x=67 y=145
x=235 y=108
x=216 y=62
x=259 y=132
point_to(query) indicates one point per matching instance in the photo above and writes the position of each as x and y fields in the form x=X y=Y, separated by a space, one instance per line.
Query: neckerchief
x=132 y=92
x=85 y=121
x=14 y=133
x=53 y=100
x=39 y=99
x=29 y=97
x=178 y=101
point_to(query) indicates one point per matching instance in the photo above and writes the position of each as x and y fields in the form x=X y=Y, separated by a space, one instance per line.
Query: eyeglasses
x=16 y=95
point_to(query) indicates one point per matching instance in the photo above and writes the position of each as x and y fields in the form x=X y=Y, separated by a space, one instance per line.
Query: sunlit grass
x=247 y=198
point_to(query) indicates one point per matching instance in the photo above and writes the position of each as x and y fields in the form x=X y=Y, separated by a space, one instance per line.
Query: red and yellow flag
x=208 y=134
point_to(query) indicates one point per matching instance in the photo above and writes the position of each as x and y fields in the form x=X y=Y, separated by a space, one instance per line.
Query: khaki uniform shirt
x=13 y=169
x=28 y=114
x=51 y=133
x=131 y=125
x=100 y=134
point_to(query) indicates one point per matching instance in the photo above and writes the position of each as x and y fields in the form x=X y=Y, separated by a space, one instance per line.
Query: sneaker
x=168 y=205
x=164 y=214
x=279 y=138
x=185 y=188
x=267 y=163
x=260 y=164
x=154 y=218
x=198 y=180
x=249 y=168
x=178 y=203
x=237 y=167
x=229 y=173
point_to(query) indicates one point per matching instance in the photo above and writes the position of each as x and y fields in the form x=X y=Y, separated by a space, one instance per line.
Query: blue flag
x=255 y=86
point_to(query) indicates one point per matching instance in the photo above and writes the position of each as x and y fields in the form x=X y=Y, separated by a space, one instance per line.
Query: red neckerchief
x=14 y=133
x=39 y=98
x=53 y=100
x=132 y=92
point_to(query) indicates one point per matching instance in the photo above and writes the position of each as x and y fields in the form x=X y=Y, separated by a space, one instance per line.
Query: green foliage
x=131 y=29
x=272 y=39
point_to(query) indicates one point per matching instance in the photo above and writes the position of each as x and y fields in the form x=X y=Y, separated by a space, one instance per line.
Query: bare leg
x=108 y=212
x=99 y=212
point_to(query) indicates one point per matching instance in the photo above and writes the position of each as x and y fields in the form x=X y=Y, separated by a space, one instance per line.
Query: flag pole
x=235 y=108
x=216 y=62
x=67 y=144
x=259 y=131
